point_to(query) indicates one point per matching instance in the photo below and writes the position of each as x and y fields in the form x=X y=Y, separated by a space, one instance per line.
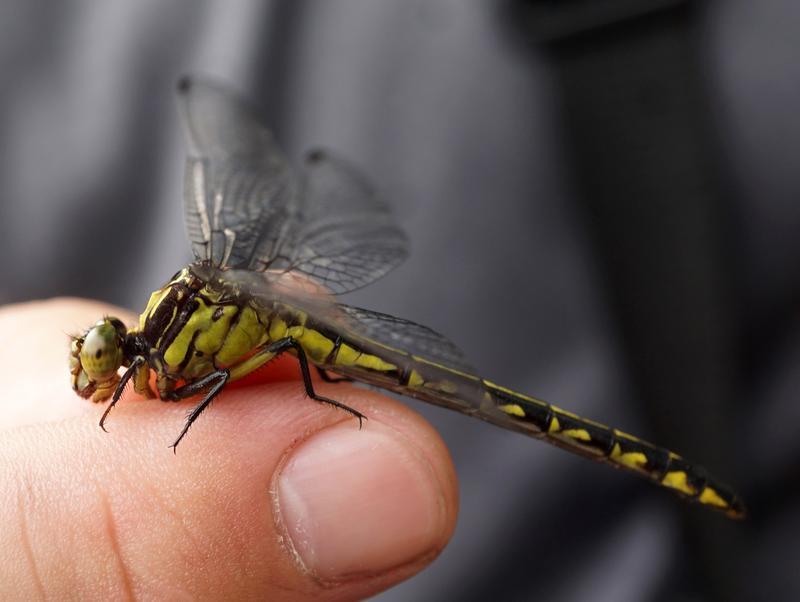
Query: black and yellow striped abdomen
x=616 y=448
x=420 y=378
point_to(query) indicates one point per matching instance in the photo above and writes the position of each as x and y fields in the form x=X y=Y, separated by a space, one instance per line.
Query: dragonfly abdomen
x=621 y=450
x=434 y=383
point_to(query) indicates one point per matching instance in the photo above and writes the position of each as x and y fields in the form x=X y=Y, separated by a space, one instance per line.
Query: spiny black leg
x=197 y=386
x=221 y=378
x=138 y=361
x=287 y=343
x=326 y=376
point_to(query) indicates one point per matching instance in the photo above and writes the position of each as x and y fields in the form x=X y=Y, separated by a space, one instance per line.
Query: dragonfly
x=272 y=247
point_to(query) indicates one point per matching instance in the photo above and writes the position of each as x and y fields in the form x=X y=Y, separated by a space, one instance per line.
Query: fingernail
x=359 y=501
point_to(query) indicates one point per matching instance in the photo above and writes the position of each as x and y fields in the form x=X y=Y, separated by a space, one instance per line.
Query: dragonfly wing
x=362 y=325
x=450 y=381
x=245 y=210
x=239 y=192
x=345 y=236
x=404 y=335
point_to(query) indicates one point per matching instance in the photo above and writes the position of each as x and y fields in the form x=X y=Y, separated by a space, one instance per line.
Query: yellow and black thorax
x=193 y=326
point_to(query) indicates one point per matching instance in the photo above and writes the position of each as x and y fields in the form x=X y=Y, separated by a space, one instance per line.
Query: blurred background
x=602 y=198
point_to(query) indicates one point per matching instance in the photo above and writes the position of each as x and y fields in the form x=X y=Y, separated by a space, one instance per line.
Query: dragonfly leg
x=287 y=343
x=326 y=376
x=136 y=364
x=217 y=380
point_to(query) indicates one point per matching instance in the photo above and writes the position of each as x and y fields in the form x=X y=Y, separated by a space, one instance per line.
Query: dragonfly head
x=96 y=357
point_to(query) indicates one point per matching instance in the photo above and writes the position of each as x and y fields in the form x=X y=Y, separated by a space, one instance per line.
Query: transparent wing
x=244 y=210
x=353 y=322
x=403 y=335
x=238 y=194
x=345 y=237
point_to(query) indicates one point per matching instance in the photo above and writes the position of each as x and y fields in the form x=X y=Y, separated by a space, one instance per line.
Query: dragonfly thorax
x=194 y=326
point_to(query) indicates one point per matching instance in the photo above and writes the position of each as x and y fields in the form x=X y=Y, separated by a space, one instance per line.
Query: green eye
x=101 y=352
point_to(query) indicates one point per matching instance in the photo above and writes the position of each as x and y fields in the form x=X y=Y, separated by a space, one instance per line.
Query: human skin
x=270 y=496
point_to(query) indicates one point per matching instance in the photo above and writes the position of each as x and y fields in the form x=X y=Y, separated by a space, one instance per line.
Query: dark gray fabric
x=457 y=123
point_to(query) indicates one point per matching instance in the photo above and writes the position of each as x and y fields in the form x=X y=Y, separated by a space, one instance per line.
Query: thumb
x=271 y=495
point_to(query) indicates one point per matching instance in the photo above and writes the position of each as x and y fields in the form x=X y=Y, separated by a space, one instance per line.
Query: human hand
x=270 y=496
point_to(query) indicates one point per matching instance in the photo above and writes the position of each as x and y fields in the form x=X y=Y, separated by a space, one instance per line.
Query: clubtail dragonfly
x=271 y=249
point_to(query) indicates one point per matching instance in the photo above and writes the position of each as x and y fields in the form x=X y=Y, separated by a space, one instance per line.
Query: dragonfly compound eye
x=101 y=350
